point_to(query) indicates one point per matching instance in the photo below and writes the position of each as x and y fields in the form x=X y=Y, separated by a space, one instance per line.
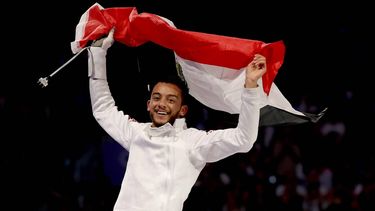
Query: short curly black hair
x=176 y=80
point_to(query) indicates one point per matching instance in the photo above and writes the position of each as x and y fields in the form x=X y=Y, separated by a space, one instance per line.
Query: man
x=166 y=157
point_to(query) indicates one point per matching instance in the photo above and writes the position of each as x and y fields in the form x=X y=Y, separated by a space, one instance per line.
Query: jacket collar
x=166 y=129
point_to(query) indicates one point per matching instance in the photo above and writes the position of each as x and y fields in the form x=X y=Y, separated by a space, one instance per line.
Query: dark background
x=44 y=131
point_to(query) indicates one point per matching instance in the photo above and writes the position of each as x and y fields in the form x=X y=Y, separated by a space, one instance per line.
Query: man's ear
x=148 y=105
x=183 y=111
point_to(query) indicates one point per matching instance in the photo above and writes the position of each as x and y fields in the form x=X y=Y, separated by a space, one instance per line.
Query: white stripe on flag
x=220 y=88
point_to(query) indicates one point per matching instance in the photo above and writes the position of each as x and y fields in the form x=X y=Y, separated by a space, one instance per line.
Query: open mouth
x=162 y=112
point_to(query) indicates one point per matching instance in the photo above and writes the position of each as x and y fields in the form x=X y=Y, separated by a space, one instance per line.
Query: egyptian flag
x=211 y=65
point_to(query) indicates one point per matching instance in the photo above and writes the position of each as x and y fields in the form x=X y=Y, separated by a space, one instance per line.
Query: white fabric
x=100 y=63
x=220 y=88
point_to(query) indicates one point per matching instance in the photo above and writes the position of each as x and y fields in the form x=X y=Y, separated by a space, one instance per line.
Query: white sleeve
x=97 y=63
x=218 y=144
x=106 y=113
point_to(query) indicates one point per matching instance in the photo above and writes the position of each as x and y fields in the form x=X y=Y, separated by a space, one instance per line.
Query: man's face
x=165 y=104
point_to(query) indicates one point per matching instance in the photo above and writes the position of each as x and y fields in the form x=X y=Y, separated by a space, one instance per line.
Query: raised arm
x=218 y=144
x=106 y=113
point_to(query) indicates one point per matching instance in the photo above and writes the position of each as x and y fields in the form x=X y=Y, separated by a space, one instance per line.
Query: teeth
x=162 y=112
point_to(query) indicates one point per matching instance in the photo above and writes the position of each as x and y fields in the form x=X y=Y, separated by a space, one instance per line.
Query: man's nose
x=162 y=103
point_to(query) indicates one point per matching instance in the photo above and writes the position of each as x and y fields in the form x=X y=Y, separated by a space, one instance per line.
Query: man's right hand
x=105 y=42
x=97 y=56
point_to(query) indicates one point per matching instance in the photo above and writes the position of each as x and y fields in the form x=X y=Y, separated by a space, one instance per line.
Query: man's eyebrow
x=172 y=95
x=158 y=94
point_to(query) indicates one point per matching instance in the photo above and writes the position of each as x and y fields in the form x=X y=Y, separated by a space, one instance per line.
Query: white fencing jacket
x=165 y=162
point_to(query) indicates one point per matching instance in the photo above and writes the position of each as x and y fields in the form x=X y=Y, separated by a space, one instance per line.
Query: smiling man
x=167 y=102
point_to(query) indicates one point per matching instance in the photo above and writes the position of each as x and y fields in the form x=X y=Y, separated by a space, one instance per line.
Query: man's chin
x=160 y=123
x=157 y=122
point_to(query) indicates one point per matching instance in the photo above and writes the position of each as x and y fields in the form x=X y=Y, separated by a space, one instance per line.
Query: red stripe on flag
x=135 y=29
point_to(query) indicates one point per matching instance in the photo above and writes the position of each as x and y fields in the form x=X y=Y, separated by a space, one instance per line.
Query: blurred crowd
x=307 y=167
